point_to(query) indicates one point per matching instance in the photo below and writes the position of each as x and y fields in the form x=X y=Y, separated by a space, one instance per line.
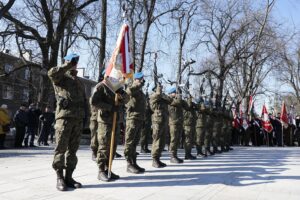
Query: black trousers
x=2 y=140
x=20 y=133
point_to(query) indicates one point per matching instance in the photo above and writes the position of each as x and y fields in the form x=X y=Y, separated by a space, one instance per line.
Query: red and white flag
x=284 y=116
x=266 y=124
x=120 y=65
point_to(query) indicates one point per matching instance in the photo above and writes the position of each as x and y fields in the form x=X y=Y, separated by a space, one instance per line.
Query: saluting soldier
x=175 y=123
x=70 y=112
x=159 y=105
x=189 y=128
x=201 y=123
x=134 y=122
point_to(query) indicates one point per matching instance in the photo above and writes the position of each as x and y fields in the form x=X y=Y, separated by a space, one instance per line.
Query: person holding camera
x=136 y=108
x=70 y=112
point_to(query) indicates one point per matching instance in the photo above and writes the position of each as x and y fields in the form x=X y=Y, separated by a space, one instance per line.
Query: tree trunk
x=103 y=37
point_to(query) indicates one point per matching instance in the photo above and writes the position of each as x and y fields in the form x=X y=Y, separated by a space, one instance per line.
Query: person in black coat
x=33 y=124
x=47 y=119
x=21 y=121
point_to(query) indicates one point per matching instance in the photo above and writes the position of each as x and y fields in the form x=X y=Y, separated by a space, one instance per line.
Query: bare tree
x=5 y=8
x=44 y=23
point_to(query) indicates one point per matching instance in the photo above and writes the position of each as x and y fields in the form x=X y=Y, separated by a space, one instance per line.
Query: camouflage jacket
x=159 y=106
x=201 y=118
x=176 y=111
x=136 y=105
x=189 y=115
x=69 y=92
x=104 y=100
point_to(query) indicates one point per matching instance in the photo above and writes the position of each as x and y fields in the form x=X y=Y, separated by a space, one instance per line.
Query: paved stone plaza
x=245 y=173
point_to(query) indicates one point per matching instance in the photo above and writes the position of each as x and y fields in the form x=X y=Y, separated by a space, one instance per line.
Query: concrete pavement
x=245 y=173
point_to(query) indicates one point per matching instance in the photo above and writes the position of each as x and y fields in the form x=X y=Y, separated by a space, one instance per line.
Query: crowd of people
x=29 y=123
x=247 y=131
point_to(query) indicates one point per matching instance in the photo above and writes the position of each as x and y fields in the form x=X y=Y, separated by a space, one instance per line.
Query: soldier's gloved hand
x=114 y=108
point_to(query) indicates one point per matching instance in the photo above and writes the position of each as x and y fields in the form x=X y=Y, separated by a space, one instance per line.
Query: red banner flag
x=284 y=116
x=266 y=124
x=120 y=65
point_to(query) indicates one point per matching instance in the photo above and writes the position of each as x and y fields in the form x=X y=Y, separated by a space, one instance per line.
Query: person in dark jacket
x=47 y=119
x=21 y=121
x=33 y=124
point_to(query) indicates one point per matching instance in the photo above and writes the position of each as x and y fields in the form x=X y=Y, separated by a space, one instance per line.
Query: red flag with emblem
x=284 y=116
x=266 y=124
x=120 y=65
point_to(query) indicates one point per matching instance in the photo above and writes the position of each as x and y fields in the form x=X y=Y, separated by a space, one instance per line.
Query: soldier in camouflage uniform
x=93 y=128
x=70 y=112
x=201 y=121
x=175 y=123
x=217 y=128
x=104 y=100
x=189 y=125
x=146 y=132
x=134 y=122
x=159 y=105
x=209 y=129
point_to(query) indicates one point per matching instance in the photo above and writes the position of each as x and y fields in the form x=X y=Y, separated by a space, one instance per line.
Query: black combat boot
x=216 y=150
x=201 y=153
x=131 y=168
x=161 y=163
x=70 y=182
x=175 y=159
x=102 y=175
x=224 y=149
x=209 y=152
x=117 y=155
x=60 y=184
x=189 y=156
x=113 y=176
x=156 y=163
x=141 y=170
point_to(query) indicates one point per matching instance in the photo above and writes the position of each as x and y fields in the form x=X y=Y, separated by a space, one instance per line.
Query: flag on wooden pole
x=284 y=116
x=120 y=65
x=266 y=124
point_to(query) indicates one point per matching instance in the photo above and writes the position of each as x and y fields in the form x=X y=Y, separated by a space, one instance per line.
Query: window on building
x=7 y=92
x=8 y=68
x=25 y=94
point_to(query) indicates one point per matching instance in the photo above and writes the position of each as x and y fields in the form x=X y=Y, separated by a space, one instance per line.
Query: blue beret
x=70 y=56
x=171 y=90
x=138 y=75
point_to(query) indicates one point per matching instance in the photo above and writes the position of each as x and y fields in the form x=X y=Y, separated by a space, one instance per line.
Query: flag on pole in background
x=283 y=116
x=120 y=65
x=266 y=124
x=250 y=108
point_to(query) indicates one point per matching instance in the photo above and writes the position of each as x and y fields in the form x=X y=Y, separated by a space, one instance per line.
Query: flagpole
x=112 y=140
x=282 y=134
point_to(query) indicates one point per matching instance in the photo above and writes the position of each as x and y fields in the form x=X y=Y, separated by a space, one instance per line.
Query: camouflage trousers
x=94 y=138
x=132 y=137
x=189 y=133
x=104 y=141
x=67 y=133
x=208 y=137
x=200 y=137
x=175 y=132
x=216 y=135
x=159 y=139
x=146 y=133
